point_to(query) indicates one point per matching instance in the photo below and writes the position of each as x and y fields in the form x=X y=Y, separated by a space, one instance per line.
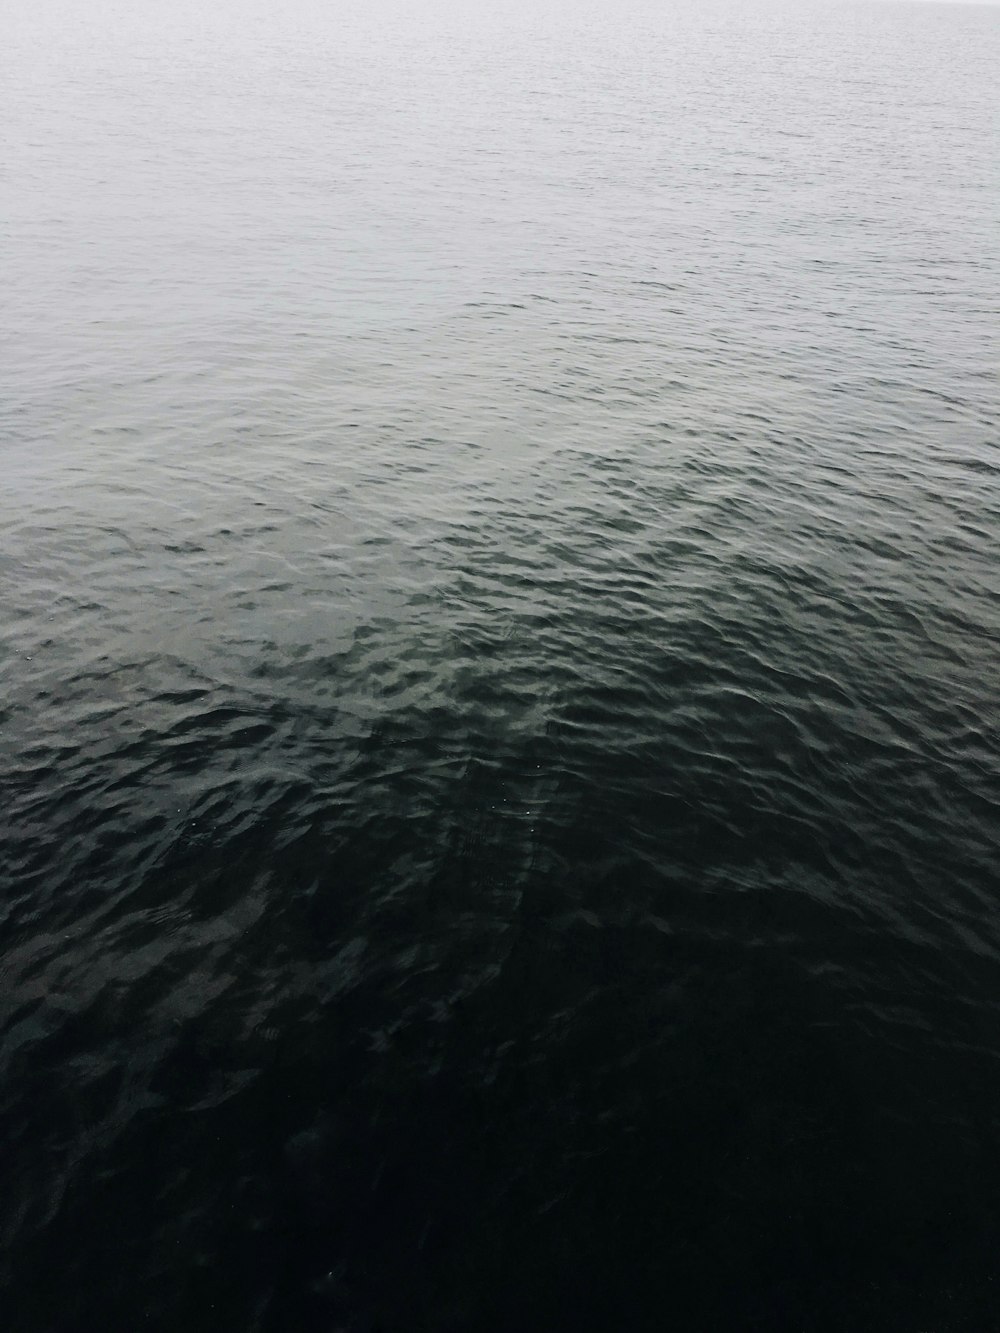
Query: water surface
x=499 y=644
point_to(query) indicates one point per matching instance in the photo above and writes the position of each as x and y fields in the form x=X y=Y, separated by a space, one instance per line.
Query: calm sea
x=500 y=649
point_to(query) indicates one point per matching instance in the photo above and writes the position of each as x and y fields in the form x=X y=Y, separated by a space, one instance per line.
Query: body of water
x=500 y=621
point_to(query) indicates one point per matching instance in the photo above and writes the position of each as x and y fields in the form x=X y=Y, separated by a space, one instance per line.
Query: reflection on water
x=499 y=647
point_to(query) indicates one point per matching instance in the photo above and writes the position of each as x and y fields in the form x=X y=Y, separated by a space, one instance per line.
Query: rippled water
x=500 y=634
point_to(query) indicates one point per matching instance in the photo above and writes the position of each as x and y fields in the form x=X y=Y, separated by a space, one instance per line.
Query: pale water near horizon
x=499 y=548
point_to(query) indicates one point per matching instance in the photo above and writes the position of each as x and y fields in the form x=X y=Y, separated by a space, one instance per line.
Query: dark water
x=501 y=610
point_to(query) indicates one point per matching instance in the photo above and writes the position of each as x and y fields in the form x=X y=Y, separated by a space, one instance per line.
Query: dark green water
x=498 y=539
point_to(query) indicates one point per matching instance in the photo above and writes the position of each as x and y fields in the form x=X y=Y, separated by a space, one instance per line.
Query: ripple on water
x=499 y=651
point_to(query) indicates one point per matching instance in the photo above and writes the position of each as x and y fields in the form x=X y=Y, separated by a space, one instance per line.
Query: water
x=500 y=630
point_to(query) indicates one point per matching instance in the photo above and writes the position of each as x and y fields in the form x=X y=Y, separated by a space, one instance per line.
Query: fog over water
x=499 y=526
